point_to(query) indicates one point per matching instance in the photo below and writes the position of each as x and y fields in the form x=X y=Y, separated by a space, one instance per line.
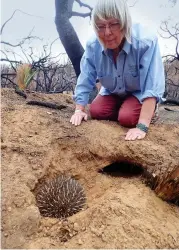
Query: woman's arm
x=87 y=78
x=147 y=111
x=146 y=114
x=85 y=84
x=152 y=82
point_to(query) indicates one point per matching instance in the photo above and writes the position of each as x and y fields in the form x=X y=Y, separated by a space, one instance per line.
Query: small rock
x=76 y=226
x=80 y=242
x=53 y=221
x=95 y=231
x=102 y=227
x=3 y=146
x=65 y=223
x=103 y=238
x=30 y=135
x=17 y=171
x=34 y=167
x=40 y=229
x=9 y=209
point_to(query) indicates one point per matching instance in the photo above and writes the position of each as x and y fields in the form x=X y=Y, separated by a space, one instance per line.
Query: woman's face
x=110 y=33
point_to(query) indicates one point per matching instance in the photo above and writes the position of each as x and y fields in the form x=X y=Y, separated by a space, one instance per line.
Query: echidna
x=60 y=197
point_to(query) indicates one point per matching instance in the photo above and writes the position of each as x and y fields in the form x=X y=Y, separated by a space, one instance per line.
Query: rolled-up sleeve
x=152 y=78
x=87 y=78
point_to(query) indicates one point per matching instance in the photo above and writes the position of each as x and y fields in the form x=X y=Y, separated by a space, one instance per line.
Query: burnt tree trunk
x=67 y=33
x=167 y=187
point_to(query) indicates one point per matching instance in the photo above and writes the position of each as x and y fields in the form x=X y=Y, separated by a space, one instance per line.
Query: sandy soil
x=39 y=143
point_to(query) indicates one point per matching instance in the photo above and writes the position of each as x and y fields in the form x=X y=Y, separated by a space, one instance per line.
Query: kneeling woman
x=126 y=59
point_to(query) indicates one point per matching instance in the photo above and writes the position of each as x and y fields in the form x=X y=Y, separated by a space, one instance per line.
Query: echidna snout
x=60 y=197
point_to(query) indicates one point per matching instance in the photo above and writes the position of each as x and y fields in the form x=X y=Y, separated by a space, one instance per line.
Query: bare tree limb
x=15 y=45
x=173 y=33
x=29 y=37
x=12 y=17
x=7 y=22
x=6 y=78
x=171 y=62
x=8 y=60
x=133 y=4
x=67 y=33
x=83 y=4
x=173 y=1
x=74 y=13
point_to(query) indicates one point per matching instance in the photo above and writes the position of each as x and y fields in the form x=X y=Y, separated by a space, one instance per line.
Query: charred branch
x=73 y=13
x=46 y=104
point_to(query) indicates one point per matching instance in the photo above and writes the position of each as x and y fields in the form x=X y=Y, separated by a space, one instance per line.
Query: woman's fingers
x=77 y=118
x=139 y=137
x=86 y=117
x=135 y=134
x=73 y=119
x=131 y=137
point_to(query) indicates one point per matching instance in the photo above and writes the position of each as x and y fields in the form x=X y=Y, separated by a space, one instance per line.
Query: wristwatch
x=142 y=127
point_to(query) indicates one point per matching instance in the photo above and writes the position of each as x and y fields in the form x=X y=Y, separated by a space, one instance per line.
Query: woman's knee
x=129 y=112
x=101 y=113
x=103 y=108
x=127 y=119
x=95 y=111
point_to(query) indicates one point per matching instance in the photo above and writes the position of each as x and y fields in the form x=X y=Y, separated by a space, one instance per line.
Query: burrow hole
x=123 y=169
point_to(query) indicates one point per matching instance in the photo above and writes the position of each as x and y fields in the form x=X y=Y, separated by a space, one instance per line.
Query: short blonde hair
x=118 y=9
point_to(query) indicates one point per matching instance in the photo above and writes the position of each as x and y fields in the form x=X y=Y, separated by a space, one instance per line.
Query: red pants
x=111 y=107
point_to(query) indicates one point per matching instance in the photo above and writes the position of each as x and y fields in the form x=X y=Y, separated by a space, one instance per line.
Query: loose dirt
x=39 y=143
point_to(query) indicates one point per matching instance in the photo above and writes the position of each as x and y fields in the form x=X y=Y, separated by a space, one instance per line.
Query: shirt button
x=119 y=76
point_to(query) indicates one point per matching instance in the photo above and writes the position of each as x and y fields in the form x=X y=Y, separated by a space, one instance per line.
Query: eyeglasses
x=113 y=27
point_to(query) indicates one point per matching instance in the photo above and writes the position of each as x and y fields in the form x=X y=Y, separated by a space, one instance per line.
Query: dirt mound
x=121 y=212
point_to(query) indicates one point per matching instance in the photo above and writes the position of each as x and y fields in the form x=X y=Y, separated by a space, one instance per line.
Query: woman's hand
x=135 y=133
x=78 y=116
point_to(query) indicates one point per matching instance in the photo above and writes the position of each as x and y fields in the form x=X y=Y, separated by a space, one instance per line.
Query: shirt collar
x=126 y=48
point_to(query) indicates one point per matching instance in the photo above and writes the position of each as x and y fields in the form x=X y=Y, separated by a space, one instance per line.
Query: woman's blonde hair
x=118 y=9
